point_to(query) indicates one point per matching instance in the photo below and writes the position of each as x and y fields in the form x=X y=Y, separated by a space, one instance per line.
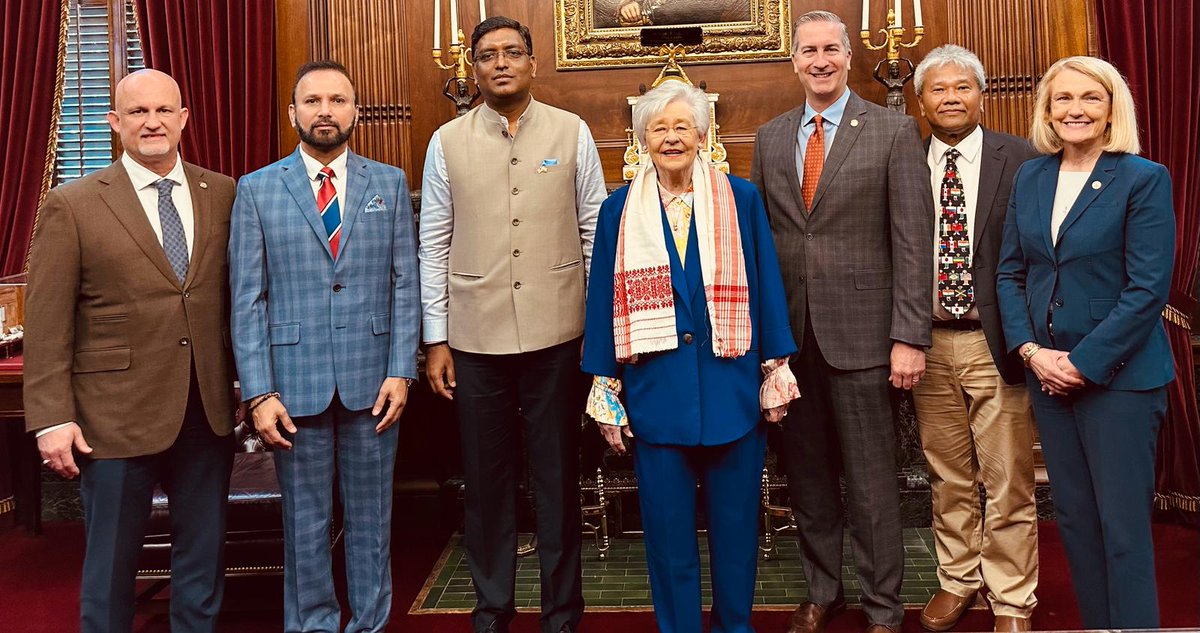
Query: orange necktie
x=814 y=161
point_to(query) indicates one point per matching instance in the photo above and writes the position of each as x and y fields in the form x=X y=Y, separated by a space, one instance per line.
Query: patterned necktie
x=327 y=204
x=814 y=161
x=174 y=239
x=955 y=290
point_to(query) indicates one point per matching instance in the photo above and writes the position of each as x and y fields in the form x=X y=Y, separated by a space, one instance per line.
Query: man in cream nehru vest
x=510 y=196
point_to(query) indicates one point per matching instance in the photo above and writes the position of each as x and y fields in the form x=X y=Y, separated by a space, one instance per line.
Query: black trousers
x=116 y=496
x=843 y=425
x=495 y=396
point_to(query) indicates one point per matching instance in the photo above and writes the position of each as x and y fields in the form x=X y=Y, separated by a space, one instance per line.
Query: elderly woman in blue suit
x=686 y=312
x=1084 y=274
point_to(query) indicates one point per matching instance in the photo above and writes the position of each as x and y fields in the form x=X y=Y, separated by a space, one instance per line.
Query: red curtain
x=1156 y=45
x=223 y=56
x=29 y=49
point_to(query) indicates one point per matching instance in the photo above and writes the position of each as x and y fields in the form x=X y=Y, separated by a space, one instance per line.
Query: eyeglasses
x=660 y=131
x=511 y=54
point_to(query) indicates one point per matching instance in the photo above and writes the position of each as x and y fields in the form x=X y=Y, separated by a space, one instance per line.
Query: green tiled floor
x=621 y=581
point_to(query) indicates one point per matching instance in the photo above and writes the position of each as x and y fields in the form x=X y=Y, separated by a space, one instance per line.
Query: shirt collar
x=313 y=166
x=969 y=148
x=687 y=197
x=143 y=177
x=496 y=118
x=832 y=114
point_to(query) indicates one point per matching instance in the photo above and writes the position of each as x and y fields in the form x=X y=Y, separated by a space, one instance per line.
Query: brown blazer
x=111 y=336
x=857 y=264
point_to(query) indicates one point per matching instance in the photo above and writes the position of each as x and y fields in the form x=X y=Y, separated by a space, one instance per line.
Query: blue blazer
x=1107 y=280
x=688 y=396
x=304 y=324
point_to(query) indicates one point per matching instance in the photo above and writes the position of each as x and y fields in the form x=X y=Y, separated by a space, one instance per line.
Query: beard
x=325 y=143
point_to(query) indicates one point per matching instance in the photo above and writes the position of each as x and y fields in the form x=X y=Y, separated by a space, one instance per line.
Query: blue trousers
x=116 y=496
x=730 y=478
x=343 y=442
x=1099 y=447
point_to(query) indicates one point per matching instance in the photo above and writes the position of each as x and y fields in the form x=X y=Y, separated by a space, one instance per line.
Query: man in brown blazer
x=847 y=193
x=128 y=373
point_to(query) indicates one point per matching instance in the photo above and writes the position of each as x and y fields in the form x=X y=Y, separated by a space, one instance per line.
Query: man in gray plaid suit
x=847 y=193
x=326 y=313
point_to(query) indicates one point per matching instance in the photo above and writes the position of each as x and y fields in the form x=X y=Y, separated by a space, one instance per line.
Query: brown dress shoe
x=811 y=617
x=1012 y=624
x=944 y=609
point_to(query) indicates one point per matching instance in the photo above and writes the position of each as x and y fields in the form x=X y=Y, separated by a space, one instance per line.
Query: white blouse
x=1070 y=183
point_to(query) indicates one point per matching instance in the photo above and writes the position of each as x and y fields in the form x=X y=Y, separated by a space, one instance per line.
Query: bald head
x=145 y=81
x=148 y=116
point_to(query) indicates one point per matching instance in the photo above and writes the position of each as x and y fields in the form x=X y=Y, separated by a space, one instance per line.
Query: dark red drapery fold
x=1156 y=45
x=29 y=47
x=223 y=56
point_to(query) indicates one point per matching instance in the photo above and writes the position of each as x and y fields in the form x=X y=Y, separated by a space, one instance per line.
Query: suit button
x=187 y=294
x=808 y=236
x=337 y=287
x=1058 y=303
x=516 y=285
x=516 y=222
x=515 y=191
x=803 y=278
x=514 y=161
x=516 y=252
x=184 y=341
x=687 y=338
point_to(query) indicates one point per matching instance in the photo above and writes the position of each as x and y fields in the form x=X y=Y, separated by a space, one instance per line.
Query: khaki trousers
x=976 y=429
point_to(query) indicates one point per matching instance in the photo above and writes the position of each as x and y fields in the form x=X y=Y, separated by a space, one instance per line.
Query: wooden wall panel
x=1017 y=40
x=386 y=44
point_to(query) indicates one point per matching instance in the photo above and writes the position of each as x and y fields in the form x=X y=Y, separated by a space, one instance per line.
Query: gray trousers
x=843 y=425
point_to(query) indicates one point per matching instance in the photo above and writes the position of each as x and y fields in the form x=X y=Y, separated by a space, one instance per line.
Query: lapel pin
x=204 y=185
x=853 y=122
x=1095 y=184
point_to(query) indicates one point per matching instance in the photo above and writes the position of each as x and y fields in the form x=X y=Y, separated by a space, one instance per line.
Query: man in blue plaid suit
x=326 y=314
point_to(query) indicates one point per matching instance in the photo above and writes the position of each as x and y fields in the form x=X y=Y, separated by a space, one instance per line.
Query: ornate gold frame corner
x=578 y=44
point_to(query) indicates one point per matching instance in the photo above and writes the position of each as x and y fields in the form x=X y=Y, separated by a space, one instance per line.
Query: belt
x=966 y=325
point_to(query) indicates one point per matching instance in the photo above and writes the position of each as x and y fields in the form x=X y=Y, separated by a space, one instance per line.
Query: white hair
x=652 y=104
x=819 y=16
x=950 y=55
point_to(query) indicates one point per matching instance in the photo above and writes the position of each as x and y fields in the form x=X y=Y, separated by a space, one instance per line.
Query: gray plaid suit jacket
x=304 y=324
x=857 y=264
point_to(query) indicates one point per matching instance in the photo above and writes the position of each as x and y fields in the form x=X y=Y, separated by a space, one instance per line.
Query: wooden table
x=23 y=460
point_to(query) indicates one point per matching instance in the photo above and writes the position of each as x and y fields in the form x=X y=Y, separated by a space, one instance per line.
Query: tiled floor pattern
x=621 y=582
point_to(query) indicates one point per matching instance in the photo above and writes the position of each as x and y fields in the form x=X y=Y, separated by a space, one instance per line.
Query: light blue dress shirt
x=832 y=119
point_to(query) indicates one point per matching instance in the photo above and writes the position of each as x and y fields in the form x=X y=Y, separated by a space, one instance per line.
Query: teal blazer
x=1106 y=282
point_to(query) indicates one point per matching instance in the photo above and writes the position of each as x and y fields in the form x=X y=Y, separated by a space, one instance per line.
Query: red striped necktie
x=327 y=204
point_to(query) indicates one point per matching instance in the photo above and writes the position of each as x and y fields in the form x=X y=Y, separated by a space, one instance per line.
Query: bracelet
x=1027 y=355
x=257 y=400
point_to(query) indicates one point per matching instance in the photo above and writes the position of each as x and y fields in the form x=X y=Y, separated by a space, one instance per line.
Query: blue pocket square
x=376 y=204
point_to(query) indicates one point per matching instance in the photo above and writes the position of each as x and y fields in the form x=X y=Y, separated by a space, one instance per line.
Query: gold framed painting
x=605 y=33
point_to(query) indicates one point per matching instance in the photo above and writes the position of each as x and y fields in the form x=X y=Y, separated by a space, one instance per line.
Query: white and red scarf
x=643 y=303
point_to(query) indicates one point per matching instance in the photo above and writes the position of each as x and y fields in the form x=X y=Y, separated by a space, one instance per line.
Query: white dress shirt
x=313 y=167
x=144 y=182
x=970 y=149
x=437 y=222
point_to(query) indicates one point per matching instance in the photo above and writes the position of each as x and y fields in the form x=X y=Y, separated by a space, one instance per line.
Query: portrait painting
x=625 y=13
x=605 y=33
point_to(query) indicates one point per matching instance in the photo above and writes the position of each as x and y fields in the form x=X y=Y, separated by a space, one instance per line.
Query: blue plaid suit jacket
x=303 y=324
